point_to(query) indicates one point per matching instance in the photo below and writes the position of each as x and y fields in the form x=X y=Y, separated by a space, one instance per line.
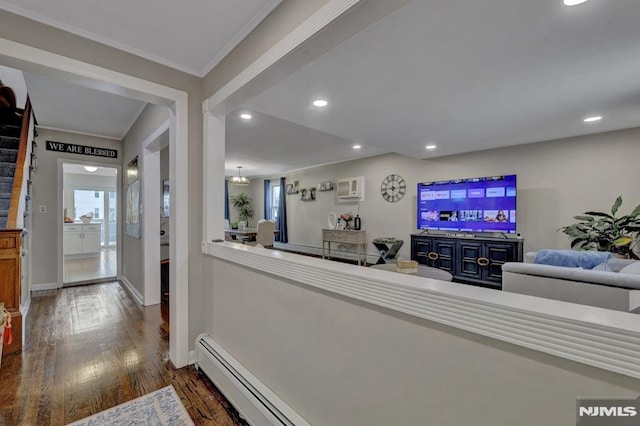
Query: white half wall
x=338 y=361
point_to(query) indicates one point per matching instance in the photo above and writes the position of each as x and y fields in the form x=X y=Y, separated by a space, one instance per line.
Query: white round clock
x=393 y=188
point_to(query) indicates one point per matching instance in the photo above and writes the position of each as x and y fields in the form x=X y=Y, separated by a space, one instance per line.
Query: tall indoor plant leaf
x=244 y=204
x=606 y=232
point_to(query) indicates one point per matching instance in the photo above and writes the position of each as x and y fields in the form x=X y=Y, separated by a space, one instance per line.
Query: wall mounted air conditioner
x=350 y=188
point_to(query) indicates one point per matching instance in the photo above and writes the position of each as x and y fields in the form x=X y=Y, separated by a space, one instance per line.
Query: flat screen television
x=483 y=204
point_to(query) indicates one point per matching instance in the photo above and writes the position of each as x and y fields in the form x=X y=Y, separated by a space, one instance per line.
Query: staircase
x=16 y=164
x=9 y=145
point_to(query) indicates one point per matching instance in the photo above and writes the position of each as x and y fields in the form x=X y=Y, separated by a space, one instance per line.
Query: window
x=275 y=201
x=85 y=201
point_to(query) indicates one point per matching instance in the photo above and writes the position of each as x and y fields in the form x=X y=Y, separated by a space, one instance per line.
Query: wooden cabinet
x=345 y=236
x=82 y=239
x=473 y=260
x=10 y=283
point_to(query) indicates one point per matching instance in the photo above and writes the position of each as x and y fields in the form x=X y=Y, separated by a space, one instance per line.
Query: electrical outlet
x=43 y=209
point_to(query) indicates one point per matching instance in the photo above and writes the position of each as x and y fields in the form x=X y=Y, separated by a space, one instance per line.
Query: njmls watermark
x=608 y=412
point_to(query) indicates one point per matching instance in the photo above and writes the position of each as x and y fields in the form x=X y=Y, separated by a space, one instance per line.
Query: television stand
x=471 y=260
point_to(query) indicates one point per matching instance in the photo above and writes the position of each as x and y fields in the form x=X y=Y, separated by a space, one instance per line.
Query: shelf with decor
x=325 y=186
x=307 y=194
x=292 y=188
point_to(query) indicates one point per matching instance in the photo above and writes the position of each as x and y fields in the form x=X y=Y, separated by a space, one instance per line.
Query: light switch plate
x=43 y=209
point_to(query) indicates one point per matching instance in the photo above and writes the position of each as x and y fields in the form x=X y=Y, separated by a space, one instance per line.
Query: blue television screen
x=484 y=204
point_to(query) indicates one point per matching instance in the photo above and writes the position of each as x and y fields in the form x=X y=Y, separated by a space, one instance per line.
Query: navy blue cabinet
x=472 y=260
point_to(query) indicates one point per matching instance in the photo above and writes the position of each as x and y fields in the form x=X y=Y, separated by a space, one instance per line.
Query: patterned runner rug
x=162 y=407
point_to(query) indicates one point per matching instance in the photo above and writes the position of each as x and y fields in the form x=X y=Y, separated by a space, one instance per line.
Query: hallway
x=91 y=268
x=90 y=348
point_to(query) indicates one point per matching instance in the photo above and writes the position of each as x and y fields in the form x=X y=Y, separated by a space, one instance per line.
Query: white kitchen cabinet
x=82 y=239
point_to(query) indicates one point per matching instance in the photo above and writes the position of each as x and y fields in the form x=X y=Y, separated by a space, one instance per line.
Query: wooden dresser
x=10 y=278
x=345 y=236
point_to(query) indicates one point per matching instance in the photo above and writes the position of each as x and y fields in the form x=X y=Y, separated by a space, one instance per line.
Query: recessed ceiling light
x=90 y=169
x=430 y=147
x=573 y=2
x=357 y=146
x=320 y=103
x=245 y=116
x=592 y=119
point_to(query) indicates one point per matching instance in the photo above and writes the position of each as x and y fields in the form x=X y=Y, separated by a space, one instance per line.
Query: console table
x=471 y=260
x=345 y=236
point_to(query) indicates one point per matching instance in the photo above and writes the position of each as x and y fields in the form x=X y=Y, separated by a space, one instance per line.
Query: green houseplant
x=244 y=204
x=606 y=232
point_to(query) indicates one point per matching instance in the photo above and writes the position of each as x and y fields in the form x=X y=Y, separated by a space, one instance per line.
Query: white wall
x=44 y=225
x=151 y=118
x=556 y=180
x=15 y=80
x=337 y=361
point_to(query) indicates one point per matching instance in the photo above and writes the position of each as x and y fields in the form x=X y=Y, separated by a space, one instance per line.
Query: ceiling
x=469 y=76
x=465 y=76
x=65 y=106
x=191 y=36
x=79 y=169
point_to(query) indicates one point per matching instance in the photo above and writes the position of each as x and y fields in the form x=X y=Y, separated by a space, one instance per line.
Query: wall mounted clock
x=393 y=188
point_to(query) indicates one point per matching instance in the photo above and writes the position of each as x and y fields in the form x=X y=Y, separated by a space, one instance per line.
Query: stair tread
x=12 y=143
x=10 y=130
x=8 y=155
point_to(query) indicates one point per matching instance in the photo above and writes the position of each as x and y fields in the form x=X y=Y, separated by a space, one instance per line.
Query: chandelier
x=239 y=180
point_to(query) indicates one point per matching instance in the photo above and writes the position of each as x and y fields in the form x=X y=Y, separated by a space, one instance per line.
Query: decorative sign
x=81 y=149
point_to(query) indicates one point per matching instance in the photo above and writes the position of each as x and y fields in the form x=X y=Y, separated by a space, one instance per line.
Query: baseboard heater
x=255 y=402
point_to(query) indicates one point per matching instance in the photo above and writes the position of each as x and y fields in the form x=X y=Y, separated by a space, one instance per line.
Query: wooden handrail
x=14 y=205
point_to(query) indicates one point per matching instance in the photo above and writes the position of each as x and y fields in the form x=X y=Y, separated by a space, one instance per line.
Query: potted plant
x=243 y=203
x=606 y=232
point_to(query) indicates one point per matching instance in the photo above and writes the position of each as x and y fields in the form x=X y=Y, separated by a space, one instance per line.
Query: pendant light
x=239 y=180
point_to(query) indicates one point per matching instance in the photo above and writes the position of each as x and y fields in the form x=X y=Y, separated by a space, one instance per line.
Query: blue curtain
x=226 y=200
x=282 y=215
x=267 y=200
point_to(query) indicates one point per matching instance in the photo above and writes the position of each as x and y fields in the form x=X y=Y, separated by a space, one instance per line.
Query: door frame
x=28 y=58
x=60 y=210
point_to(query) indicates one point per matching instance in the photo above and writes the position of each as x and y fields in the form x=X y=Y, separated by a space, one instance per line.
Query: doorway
x=90 y=228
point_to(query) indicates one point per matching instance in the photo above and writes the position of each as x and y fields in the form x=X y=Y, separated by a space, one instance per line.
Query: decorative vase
x=357 y=223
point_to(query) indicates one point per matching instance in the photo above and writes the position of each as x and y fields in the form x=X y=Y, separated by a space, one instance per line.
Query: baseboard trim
x=45 y=286
x=132 y=290
x=255 y=402
x=24 y=308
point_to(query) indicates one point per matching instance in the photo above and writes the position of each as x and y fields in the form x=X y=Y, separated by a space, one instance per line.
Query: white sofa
x=612 y=290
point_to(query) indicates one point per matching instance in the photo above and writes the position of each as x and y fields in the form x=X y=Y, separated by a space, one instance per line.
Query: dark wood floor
x=90 y=348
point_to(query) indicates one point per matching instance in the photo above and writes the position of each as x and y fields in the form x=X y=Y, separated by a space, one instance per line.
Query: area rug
x=162 y=407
